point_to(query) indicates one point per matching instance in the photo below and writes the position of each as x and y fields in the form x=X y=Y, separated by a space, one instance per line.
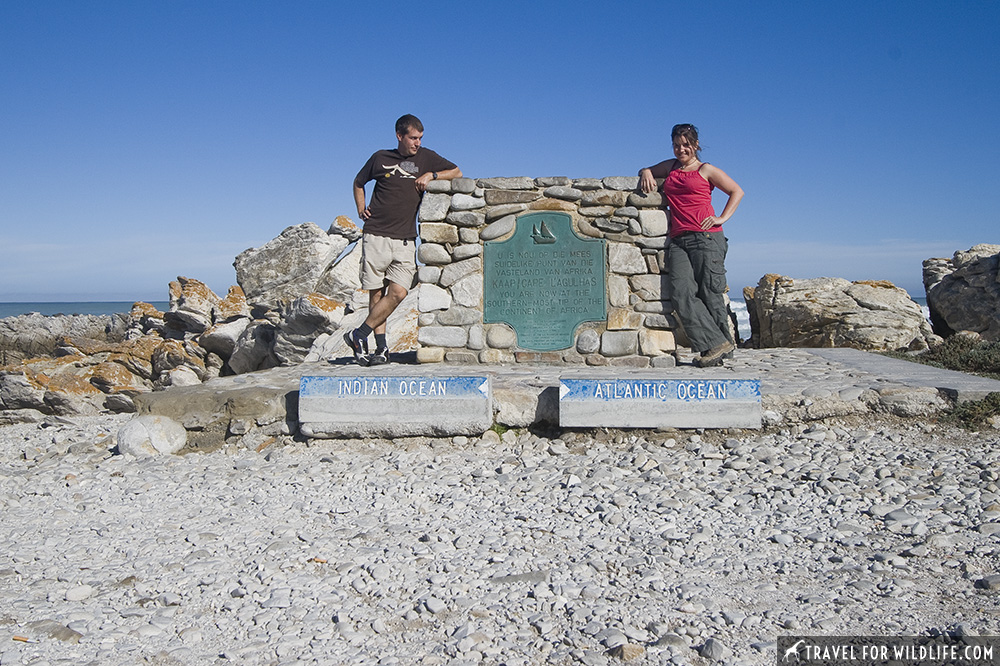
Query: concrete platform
x=796 y=386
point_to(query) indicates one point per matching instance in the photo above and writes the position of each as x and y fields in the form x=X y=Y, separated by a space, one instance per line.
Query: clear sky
x=140 y=141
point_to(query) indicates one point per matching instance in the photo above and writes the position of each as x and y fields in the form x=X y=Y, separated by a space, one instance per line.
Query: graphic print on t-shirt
x=405 y=169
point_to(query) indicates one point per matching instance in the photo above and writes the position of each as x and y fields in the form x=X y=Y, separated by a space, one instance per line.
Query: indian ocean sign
x=655 y=403
x=395 y=405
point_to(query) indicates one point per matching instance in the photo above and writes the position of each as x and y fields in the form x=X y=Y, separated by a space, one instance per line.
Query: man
x=388 y=244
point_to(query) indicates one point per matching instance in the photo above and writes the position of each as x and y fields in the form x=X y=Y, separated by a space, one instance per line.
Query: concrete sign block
x=659 y=403
x=395 y=405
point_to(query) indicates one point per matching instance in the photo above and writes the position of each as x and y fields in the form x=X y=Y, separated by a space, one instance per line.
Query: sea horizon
x=56 y=308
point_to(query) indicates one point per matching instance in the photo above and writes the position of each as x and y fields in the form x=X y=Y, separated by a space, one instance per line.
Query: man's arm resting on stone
x=447 y=174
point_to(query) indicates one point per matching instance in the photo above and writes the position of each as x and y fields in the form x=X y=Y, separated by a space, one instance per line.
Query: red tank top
x=689 y=196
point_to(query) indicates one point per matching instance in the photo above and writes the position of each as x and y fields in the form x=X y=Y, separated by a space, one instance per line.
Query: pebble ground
x=598 y=547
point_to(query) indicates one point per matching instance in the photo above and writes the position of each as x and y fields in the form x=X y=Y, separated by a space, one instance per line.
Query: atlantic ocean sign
x=544 y=281
x=656 y=403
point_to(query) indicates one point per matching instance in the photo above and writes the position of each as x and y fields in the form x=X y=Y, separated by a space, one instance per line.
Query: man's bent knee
x=396 y=292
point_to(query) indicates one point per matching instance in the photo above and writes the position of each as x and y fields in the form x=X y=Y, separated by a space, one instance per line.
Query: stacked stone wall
x=457 y=217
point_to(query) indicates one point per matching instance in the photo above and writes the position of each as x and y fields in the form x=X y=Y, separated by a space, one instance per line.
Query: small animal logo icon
x=794 y=650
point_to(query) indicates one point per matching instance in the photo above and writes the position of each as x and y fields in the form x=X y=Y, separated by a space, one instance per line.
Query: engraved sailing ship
x=542 y=236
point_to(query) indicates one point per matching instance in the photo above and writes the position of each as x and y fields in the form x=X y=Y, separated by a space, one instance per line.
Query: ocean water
x=73 y=308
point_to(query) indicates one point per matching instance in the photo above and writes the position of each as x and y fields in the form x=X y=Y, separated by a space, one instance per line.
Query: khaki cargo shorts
x=389 y=259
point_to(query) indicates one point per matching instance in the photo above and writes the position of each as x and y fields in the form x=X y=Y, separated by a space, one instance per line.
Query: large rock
x=193 y=305
x=963 y=293
x=288 y=266
x=834 y=312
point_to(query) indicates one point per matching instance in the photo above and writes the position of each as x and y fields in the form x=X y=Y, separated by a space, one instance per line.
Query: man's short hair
x=408 y=122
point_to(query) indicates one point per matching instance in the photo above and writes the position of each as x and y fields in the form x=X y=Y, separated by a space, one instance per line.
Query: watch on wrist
x=435 y=176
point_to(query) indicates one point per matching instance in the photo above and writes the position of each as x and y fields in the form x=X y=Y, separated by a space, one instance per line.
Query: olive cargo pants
x=697 y=278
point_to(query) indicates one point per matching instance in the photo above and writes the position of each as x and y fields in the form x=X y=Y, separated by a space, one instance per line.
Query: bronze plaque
x=544 y=281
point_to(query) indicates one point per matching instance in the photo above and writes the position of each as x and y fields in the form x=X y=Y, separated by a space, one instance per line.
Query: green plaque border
x=538 y=230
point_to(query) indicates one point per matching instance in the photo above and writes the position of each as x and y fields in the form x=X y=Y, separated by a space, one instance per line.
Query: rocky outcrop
x=32 y=335
x=302 y=285
x=833 y=312
x=963 y=293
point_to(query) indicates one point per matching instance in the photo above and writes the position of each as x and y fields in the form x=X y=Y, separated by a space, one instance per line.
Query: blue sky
x=140 y=141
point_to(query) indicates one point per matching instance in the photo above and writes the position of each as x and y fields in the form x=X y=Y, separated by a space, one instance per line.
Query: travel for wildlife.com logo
x=895 y=650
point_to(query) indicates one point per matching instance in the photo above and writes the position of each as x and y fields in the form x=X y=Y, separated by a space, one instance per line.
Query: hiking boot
x=380 y=357
x=700 y=362
x=715 y=355
x=359 y=346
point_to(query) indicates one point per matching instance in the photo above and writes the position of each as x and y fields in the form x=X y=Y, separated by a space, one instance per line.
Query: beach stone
x=434 y=208
x=442 y=336
x=431 y=298
x=54 y=630
x=433 y=254
x=991 y=582
x=79 y=593
x=619 y=343
x=468 y=292
x=466 y=219
x=463 y=202
x=563 y=192
x=454 y=272
x=433 y=232
x=625 y=259
x=466 y=251
x=612 y=198
x=501 y=227
x=588 y=341
x=654 y=222
x=621 y=182
x=464 y=185
x=713 y=650
x=514 y=183
x=150 y=435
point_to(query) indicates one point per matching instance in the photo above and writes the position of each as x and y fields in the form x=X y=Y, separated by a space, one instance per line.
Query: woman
x=697 y=251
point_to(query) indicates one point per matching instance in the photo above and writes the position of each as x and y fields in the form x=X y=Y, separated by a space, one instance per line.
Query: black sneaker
x=359 y=346
x=380 y=357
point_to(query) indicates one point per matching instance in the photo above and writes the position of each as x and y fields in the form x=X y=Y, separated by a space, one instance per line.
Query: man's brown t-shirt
x=395 y=198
